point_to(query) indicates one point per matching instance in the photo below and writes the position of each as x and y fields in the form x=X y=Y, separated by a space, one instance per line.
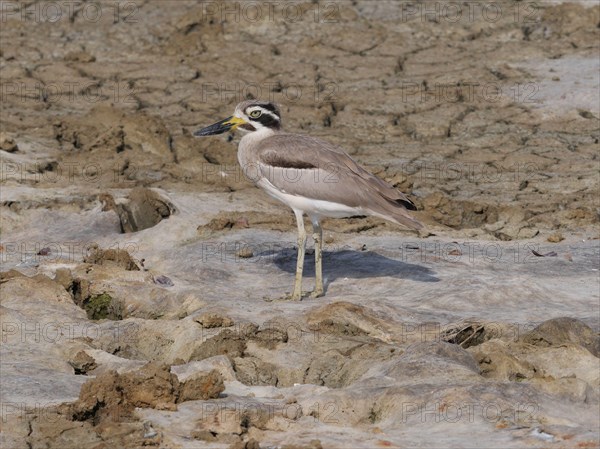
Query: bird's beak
x=230 y=123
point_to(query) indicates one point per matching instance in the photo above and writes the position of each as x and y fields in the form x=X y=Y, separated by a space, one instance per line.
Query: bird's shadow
x=355 y=265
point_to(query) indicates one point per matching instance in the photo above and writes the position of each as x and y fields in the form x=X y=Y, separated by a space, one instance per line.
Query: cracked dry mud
x=135 y=258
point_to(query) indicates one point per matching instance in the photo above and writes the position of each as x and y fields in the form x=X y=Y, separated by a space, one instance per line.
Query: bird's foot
x=317 y=293
x=296 y=296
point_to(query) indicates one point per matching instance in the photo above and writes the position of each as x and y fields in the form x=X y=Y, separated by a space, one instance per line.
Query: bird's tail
x=396 y=213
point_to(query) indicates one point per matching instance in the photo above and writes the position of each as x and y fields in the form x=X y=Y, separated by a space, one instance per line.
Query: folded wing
x=306 y=166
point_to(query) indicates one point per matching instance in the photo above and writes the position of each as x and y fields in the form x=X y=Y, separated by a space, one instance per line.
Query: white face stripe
x=263 y=110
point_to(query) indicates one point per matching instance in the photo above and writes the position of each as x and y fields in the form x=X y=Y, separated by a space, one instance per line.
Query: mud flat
x=140 y=271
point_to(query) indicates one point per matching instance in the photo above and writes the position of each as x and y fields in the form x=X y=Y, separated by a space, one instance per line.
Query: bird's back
x=310 y=167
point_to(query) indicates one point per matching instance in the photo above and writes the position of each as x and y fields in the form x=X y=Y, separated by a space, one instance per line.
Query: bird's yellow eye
x=255 y=114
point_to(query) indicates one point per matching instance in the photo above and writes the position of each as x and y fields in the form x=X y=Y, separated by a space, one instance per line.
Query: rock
x=134 y=292
x=163 y=280
x=106 y=362
x=82 y=363
x=250 y=444
x=245 y=253
x=497 y=361
x=14 y=281
x=140 y=339
x=528 y=233
x=546 y=366
x=144 y=209
x=64 y=277
x=313 y=444
x=201 y=386
x=8 y=143
x=343 y=318
x=204 y=435
x=556 y=237
x=225 y=221
x=79 y=56
x=211 y=320
x=566 y=361
x=220 y=363
x=470 y=333
x=113 y=257
x=10 y=274
x=254 y=371
x=442 y=352
x=559 y=331
x=117 y=394
x=570 y=388
x=271 y=333
x=228 y=342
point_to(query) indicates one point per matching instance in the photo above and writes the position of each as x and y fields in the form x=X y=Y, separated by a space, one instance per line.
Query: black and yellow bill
x=230 y=123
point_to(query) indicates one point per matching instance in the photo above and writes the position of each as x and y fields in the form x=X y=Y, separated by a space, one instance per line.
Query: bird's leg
x=318 y=237
x=297 y=294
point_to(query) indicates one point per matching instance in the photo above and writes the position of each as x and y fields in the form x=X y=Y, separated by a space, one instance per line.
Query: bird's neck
x=255 y=137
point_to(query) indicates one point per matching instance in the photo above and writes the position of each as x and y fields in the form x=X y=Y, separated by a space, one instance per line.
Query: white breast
x=308 y=205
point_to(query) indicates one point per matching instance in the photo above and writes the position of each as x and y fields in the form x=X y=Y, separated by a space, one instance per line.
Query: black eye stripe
x=268 y=121
x=272 y=108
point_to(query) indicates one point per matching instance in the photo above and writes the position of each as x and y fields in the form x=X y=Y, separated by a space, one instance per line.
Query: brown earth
x=385 y=96
x=491 y=127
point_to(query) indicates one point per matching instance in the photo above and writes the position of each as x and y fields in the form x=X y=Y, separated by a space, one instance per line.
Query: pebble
x=556 y=237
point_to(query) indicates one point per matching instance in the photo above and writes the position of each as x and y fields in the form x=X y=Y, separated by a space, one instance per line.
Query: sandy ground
x=140 y=271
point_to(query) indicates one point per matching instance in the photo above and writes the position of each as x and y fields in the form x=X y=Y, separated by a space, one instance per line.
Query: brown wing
x=303 y=165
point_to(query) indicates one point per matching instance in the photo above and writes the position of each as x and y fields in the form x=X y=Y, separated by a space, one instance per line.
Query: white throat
x=254 y=137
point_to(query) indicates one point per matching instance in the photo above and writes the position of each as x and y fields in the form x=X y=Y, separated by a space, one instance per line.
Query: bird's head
x=249 y=116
